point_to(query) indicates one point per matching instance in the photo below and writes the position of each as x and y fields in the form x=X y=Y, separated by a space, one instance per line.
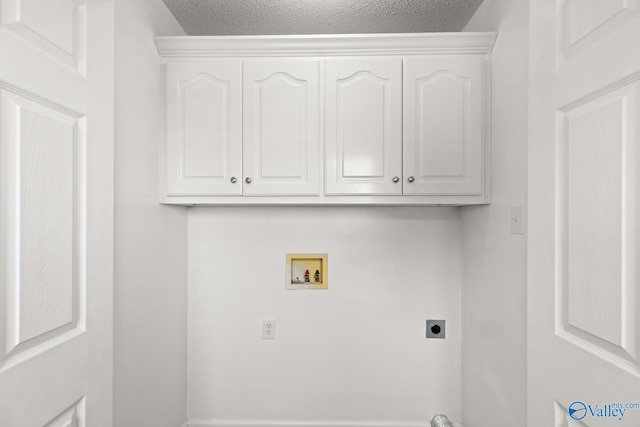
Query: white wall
x=150 y=240
x=494 y=261
x=356 y=351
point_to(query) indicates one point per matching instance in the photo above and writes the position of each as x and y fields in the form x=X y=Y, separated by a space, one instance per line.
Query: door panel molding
x=57 y=27
x=43 y=170
x=579 y=27
x=71 y=417
x=597 y=236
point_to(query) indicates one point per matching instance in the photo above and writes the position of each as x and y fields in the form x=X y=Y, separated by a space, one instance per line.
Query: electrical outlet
x=436 y=329
x=517 y=221
x=268 y=329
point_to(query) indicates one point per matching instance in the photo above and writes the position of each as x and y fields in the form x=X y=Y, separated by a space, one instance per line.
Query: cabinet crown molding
x=325 y=44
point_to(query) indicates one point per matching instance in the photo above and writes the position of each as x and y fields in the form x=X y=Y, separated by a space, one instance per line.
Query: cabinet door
x=444 y=133
x=204 y=128
x=281 y=127
x=363 y=98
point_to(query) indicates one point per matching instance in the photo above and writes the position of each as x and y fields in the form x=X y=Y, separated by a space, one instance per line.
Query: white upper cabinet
x=444 y=125
x=203 y=153
x=281 y=149
x=363 y=125
x=378 y=119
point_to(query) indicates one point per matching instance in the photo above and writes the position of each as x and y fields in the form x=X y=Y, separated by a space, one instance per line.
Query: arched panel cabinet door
x=363 y=126
x=281 y=149
x=203 y=152
x=444 y=125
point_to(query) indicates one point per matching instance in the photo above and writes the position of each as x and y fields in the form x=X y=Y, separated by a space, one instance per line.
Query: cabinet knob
x=248 y=180
x=411 y=179
x=396 y=179
x=233 y=180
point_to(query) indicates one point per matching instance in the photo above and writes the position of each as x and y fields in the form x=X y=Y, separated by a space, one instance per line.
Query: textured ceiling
x=251 y=17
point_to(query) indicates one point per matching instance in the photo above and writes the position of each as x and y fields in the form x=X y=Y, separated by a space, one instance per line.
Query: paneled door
x=584 y=214
x=204 y=128
x=281 y=147
x=56 y=212
x=444 y=125
x=363 y=126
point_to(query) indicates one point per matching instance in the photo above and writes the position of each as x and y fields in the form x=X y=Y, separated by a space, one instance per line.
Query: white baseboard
x=332 y=423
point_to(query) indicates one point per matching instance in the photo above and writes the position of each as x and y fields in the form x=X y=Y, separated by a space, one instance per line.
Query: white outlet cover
x=517 y=220
x=268 y=329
